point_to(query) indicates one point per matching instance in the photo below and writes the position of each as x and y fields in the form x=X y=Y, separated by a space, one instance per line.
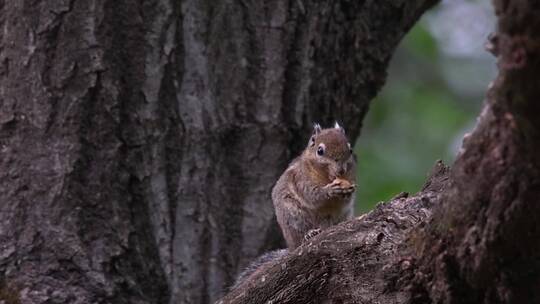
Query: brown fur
x=305 y=198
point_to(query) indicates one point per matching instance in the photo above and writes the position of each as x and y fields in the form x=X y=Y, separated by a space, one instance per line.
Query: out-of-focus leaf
x=420 y=42
x=418 y=118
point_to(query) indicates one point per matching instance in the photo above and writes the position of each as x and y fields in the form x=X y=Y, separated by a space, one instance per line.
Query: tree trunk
x=140 y=139
x=470 y=236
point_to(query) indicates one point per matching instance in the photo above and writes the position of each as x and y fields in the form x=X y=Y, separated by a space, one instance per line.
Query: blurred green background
x=435 y=87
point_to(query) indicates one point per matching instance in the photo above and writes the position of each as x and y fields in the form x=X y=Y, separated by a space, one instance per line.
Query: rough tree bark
x=139 y=140
x=470 y=236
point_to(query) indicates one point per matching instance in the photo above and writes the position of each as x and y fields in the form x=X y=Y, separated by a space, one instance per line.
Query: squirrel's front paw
x=311 y=233
x=340 y=187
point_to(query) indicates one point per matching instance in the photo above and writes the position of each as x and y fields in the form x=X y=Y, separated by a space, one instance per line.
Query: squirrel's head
x=330 y=148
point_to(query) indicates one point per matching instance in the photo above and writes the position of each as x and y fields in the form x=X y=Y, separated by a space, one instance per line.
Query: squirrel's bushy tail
x=258 y=262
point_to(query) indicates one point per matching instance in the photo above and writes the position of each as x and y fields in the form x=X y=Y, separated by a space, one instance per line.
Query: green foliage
x=414 y=121
x=421 y=42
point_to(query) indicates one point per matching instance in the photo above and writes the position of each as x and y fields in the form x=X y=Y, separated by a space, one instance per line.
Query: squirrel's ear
x=337 y=126
x=316 y=129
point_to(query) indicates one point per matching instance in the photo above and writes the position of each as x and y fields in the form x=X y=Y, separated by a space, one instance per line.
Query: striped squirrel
x=315 y=192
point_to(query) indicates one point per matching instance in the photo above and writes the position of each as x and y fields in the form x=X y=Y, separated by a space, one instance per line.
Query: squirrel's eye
x=320 y=150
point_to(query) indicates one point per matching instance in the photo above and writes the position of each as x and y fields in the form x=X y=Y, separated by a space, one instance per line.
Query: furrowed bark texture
x=471 y=236
x=482 y=245
x=139 y=140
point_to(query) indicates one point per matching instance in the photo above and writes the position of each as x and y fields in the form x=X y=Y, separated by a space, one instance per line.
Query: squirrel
x=316 y=190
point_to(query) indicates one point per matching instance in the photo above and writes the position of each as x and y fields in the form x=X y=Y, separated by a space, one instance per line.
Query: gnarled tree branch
x=351 y=262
